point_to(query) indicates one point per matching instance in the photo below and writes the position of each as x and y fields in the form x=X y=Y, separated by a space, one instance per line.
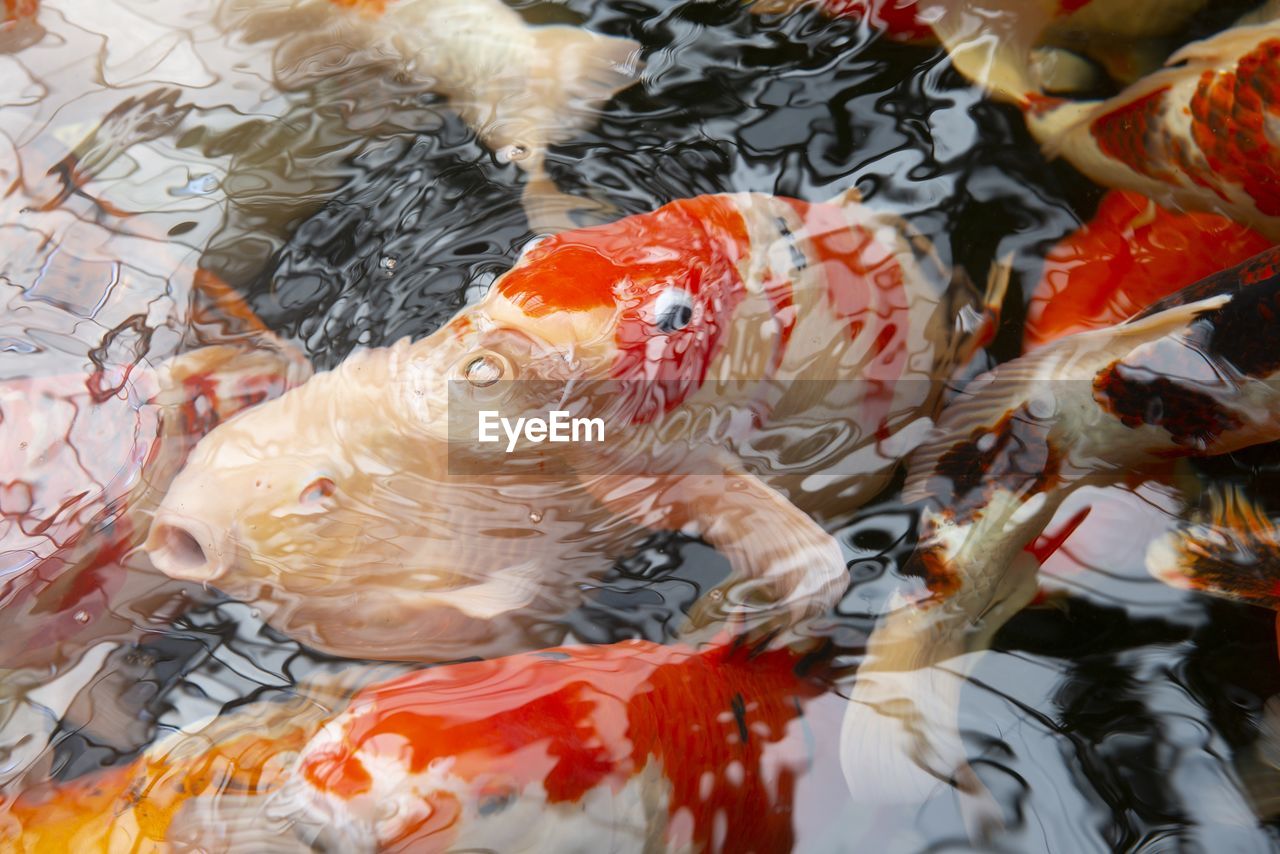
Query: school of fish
x=762 y=366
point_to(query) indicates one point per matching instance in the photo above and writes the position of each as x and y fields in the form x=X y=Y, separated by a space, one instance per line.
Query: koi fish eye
x=495 y=799
x=317 y=490
x=483 y=371
x=673 y=310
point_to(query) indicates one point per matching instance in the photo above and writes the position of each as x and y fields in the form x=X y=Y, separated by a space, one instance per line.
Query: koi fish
x=140 y=806
x=707 y=336
x=1196 y=135
x=521 y=88
x=648 y=746
x=1131 y=254
x=1194 y=375
x=1233 y=551
x=1004 y=44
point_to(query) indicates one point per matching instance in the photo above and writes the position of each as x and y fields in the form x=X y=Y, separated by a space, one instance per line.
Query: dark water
x=1108 y=715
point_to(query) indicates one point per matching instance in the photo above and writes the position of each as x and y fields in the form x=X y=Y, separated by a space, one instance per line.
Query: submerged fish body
x=228 y=70
x=1006 y=43
x=663 y=747
x=139 y=806
x=1198 y=134
x=1194 y=375
x=672 y=749
x=707 y=336
x=1130 y=255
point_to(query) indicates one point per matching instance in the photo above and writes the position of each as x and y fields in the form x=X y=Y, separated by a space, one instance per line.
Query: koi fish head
x=357 y=482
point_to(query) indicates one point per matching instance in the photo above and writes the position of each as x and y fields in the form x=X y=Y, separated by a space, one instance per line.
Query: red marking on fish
x=597 y=716
x=1129 y=134
x=1045 y=546
x=866 y=293
x=1131 y=254
x=17 y=9
x=372 y=8
x=693 y=245
x=1245 y=100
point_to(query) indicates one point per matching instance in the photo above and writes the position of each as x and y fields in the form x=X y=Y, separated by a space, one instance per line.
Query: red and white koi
x=665 y=747
x=1199 y=134
x=649 y=747
x=709 y=335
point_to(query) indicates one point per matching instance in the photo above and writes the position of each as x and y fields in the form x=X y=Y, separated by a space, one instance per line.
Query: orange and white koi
x=1199 y=134
x=649 y=747
x=142 y=806
x=660 y=747
x=709 y=335
x=1130 y=255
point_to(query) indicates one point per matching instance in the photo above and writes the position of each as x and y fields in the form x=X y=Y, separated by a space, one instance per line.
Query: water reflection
x=1109 y=714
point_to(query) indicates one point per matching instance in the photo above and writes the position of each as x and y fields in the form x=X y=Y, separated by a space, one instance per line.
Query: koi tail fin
x=1234 y=552
x=976 y=325
x=575 y=73
x=990 y=41
x=582 y=70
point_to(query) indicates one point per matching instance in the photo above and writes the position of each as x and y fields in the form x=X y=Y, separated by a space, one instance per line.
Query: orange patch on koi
x=1130 y=255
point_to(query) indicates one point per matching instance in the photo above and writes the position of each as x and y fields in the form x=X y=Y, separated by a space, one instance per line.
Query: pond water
x=1115 y=713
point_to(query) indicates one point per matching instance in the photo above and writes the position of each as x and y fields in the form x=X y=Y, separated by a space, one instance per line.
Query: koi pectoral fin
x=901 y=732
x=786 y=567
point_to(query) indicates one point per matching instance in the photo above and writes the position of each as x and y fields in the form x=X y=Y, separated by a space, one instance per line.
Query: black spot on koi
x=1241 y=331
x=1191 y=418
x=797 y=257
x=1014 y=454
x=739 y=707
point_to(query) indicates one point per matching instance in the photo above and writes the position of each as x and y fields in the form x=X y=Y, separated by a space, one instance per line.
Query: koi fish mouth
x=187 y=549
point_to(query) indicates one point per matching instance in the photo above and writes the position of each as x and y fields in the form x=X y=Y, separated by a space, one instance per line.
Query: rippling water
x=1108 y=715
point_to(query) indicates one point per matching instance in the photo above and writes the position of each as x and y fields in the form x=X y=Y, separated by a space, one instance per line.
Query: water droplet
x=200 y=185
x=483 y=371
x=82 y=616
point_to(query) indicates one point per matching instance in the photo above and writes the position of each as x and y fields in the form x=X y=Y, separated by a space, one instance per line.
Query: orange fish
x=707 y=336
x=133 y=807
x=1131 y=254
x=652 y=747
